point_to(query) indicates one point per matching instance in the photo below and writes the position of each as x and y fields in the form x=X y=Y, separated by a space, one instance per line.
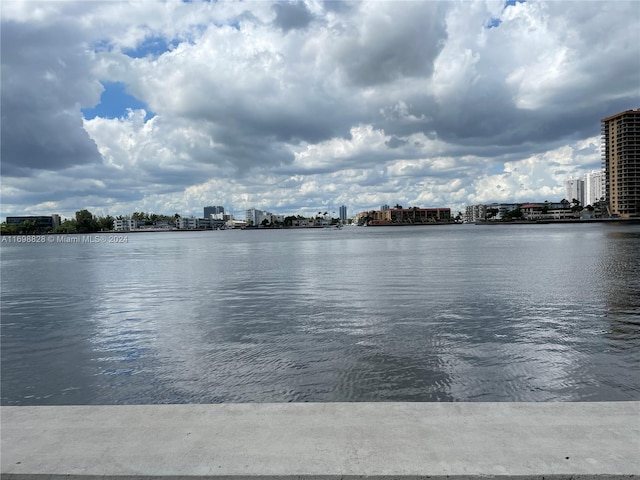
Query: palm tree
x=576 y=208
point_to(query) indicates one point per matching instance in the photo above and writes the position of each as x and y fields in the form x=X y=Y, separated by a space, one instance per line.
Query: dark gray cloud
x=395 y=43
x=395 y=142
x=292 y=15
x=339 y=6
x=45 y=80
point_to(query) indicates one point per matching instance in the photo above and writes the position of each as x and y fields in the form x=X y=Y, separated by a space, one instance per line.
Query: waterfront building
x=491 y=211
x=40 y=222
x=406 y=216
x=468 y=214
x=205 y=223
x=593 y=188
x=256 y=217
x=546 y=210
x=343 y=214
x=501 y=208
x=186 y=223
x=125 y=224
x=475 y=213
x=620 y=148
x=231 y=224
x=533 y=211
x=208 y=223
x=575 y=190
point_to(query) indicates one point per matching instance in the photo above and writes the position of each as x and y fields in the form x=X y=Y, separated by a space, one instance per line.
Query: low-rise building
x=404 y=216
x=257 y=217
x=125 y=224
x=41 y=223
x=186 y=223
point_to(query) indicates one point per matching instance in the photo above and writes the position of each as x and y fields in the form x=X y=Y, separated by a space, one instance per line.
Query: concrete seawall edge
x=314 y=441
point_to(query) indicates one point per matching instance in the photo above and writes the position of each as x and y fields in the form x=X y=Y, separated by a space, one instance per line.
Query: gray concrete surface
x=323 y=441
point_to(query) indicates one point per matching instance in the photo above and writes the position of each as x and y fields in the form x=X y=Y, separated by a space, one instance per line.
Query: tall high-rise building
x=593 y=188
x=620 y=145
x=213 y=211
x=575 y=190
x=343 y=213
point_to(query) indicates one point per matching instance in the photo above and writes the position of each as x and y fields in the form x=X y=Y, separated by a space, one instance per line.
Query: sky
x=297 y=107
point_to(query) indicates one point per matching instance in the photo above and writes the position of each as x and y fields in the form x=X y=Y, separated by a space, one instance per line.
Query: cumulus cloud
x=294 y=106
x=388 y=43
x=292 y=15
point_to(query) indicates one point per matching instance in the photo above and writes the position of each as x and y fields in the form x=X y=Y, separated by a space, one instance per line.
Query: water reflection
x=620 y=265
x=436 y=314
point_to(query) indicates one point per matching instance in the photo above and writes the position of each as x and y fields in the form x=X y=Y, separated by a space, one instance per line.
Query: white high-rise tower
x=593 y=187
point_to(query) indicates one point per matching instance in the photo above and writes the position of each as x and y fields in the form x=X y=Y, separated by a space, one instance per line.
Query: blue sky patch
x=150 y=47
x=495 y=22
x=235 y=24
x=114 y=103
x=496 y=169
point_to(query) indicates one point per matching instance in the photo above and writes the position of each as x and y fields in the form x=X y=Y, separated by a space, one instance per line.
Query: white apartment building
x=256 y=217
x=492 y=211
x=475 y=213
x=125 y=224
x=593 y=187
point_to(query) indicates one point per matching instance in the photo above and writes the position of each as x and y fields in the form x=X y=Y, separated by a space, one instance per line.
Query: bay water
x=433 y=313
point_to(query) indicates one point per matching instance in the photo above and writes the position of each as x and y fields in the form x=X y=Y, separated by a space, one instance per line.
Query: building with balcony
x=405 y=216
x=620 y=149
x=186 y=223
x=125 y=224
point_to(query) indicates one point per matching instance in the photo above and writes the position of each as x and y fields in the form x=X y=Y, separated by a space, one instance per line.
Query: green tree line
x=85 y=222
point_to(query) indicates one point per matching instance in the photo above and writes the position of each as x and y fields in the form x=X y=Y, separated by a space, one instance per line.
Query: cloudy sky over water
x=301 y=106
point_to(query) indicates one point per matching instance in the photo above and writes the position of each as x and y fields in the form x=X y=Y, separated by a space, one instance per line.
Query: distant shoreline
x=560 y=220
x=565 y=221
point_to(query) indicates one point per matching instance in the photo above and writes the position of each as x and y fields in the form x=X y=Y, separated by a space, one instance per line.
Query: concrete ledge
x=323 y=441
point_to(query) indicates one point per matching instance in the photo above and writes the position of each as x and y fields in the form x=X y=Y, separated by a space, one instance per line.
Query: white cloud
x=539 y=176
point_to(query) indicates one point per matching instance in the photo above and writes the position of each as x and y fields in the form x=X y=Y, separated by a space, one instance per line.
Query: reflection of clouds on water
x=436 y=314
x=528 y=333
x=48 y=293
x=532 y=361
x=620 y=267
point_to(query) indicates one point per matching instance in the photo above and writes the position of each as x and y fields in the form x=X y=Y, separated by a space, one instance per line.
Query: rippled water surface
x=446 y=313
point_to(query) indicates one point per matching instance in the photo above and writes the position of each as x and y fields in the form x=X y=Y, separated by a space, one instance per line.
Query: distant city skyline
x=300 y=107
